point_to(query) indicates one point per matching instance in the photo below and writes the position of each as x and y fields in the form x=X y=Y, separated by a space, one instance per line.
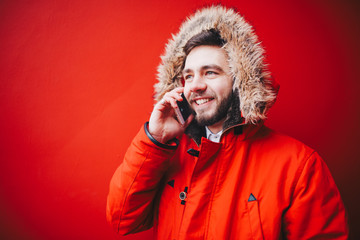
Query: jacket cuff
x=159 y=144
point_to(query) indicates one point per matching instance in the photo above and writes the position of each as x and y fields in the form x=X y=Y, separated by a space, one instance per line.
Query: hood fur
x=252 y=81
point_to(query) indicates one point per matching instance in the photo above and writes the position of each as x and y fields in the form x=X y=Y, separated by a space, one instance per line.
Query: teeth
x=202 y=101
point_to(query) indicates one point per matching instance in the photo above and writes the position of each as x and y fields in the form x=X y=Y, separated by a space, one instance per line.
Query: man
x=222 y=174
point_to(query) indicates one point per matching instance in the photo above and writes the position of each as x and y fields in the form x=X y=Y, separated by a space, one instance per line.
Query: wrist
x=171 y=144
x=156 y=132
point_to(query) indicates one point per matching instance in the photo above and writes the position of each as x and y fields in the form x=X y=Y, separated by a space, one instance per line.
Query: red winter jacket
x=254 y=184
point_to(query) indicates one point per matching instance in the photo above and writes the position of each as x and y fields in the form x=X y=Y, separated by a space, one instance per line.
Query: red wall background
x=76 y=85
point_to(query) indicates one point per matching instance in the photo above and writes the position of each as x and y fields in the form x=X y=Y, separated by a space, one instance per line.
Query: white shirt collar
x=212 y=136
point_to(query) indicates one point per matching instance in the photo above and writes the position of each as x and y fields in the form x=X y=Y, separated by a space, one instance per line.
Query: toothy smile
x=202 y=101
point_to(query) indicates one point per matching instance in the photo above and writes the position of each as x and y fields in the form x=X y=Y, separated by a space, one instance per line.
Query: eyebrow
x=205 y=67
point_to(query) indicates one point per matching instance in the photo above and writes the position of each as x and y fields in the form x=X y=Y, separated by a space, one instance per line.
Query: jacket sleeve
x=316 y=211
x=135 y=184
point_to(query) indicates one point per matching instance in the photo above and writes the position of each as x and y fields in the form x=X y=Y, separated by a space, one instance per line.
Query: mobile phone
x=183 y=111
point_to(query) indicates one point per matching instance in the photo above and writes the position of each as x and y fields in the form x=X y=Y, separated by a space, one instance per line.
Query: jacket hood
x=252 y=82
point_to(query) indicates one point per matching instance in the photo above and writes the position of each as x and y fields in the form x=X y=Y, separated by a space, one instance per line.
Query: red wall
x=76 y=85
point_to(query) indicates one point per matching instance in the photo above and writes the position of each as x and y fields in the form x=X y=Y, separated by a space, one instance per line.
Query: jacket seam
x=189 y=190
x=212 y=198
x=297 y=176
x=127 y=193
x=249 y=219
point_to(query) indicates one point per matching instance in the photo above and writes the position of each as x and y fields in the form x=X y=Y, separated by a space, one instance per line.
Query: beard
x=204 y=119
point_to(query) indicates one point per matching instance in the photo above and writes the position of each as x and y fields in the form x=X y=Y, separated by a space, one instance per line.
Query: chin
x=204 y=120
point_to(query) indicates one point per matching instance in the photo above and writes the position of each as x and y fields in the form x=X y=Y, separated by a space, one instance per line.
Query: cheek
x=221 y=90
x=186 y=90
x=224 y=87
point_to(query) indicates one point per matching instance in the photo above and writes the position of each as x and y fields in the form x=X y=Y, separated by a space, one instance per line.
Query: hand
x=163 y=124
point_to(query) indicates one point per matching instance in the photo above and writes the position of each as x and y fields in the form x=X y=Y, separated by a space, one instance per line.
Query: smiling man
x=222 y=174
x=208 y=85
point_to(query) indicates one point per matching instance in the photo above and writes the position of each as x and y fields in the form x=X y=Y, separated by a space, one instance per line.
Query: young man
x=222 y=174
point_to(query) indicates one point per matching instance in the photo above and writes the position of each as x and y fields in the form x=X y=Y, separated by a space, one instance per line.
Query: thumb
x=188 y=121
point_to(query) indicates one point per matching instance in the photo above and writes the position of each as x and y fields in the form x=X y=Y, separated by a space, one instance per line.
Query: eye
x=187 y=77
x=211 y=73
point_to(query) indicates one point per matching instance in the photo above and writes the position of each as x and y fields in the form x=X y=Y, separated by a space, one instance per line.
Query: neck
x=217 y=127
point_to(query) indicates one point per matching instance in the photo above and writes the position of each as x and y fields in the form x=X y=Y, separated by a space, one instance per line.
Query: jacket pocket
x=254 y=219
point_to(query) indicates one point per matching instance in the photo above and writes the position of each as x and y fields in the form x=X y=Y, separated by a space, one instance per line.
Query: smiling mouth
x=202 y=101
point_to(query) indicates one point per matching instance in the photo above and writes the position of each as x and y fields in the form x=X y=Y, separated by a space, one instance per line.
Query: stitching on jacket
x=212 y=196
x=184 y=206
x=249 y=219
x=298 y=175
x=127 y=193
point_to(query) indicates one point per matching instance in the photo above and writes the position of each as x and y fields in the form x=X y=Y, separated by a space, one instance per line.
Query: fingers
x=162 y=102
x=163 y=123
x=168 y=107
x=188 y=121
x=171 y=97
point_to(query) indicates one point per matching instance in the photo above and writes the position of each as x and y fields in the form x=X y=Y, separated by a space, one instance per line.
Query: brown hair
x=209 y=38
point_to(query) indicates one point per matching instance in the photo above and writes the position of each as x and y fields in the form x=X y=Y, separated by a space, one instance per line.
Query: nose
x=198 y=84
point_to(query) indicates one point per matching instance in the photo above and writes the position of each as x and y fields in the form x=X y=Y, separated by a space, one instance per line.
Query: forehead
x=205 y=56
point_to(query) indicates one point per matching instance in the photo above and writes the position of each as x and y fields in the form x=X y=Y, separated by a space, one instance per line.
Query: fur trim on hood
x=256 y=90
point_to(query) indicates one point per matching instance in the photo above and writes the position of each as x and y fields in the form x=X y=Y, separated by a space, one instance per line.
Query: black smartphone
x=184 y=111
